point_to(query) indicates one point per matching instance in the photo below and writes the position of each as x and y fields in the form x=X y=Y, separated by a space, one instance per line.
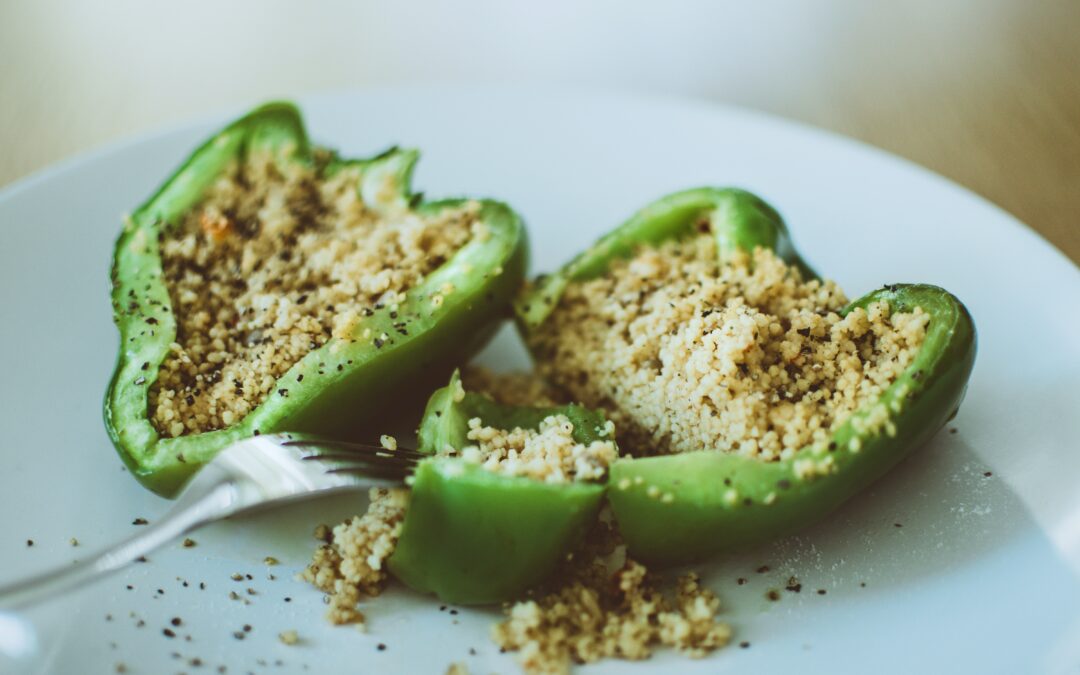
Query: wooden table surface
x=985 y=92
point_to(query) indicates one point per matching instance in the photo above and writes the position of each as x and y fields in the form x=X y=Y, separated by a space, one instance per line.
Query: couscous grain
x=277 y=260
x=684 y=353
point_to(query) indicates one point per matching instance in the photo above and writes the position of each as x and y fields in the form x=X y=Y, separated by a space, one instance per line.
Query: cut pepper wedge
x=686 y=507
x=345 y=382
x=472 y=536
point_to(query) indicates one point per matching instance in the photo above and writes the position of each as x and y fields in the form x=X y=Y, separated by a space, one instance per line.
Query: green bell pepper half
x=346 y=382
x=680 y=508
x=472 y=536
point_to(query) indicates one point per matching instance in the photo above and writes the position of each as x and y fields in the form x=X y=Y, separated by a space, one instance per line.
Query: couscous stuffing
x=684 y=353
x=604 y=605
x=350 y=567
x=276 y=261
x=517 y=388
x=548 y=453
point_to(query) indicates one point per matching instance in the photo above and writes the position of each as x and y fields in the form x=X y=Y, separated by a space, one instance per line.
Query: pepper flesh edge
x=484 y=274
x=727 y=503
x=681 y=508
x=472 y=536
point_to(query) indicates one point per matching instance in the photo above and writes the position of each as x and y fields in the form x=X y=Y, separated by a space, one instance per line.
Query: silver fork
x=259 y=472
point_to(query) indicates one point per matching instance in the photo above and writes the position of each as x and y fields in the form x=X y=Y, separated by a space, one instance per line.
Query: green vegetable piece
x=472 y=536
x=343 y=385
x=681 y=508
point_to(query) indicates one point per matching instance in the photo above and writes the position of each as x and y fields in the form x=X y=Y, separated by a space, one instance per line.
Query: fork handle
x=194 y=508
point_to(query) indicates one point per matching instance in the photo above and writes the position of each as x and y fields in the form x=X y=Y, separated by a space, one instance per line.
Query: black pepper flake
x=340 y=367
x=142 y=559
x=302 y=299
x=442 y=608
x=747 y=501
x=202 y=585
x=862 y=584
x=897 y=525
x=378 y=343
x=247 y=627
x=140 y=521
x=168 y=632
x=300 y=377
x=239 y=635
x=256 y=432
x=152 y=321
x=145 y=365
x=283 y=392
x=953 y=430
x=741 y=581
x=832 y=446
x=821 y=591
x=773 y=595
x=793 y=585
x=393 y=315
x=176 y=621
x=381 y=647
x=130 y=587
x=744 y=644
x=988 y=473
x=727 y=481
x=472 y=651
x=189 y=399
x=783 y=484
x=763 y=569
x=288 y=599
x=453 y=612
x=29 y=543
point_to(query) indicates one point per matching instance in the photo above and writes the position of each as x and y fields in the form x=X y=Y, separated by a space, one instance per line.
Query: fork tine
x=359 y=457
x=373 y=471
x=350 y=446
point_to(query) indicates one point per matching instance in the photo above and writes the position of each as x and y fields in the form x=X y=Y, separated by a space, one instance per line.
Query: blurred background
x=985 y=92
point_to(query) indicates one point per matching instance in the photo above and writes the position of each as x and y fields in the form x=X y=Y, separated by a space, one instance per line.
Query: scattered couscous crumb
x=350 y=566
x=685 y=353
x=277 y=260
x=457 y=669
x=549 y=453
x=289 y=637
x=189 y=542
x=388 y=442
x=73 y=541
x=608 y=606
x=270 y=561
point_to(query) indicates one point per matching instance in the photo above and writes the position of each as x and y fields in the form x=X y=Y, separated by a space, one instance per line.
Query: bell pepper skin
x=682 y=508
x=345 y=382
x=472 y=536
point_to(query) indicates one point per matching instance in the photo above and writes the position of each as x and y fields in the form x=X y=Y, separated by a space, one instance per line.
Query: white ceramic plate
x=962 y=560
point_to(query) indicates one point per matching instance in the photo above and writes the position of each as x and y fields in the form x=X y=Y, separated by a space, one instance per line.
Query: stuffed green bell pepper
x=750 y=398
x=272 y=285
x=508 y=493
